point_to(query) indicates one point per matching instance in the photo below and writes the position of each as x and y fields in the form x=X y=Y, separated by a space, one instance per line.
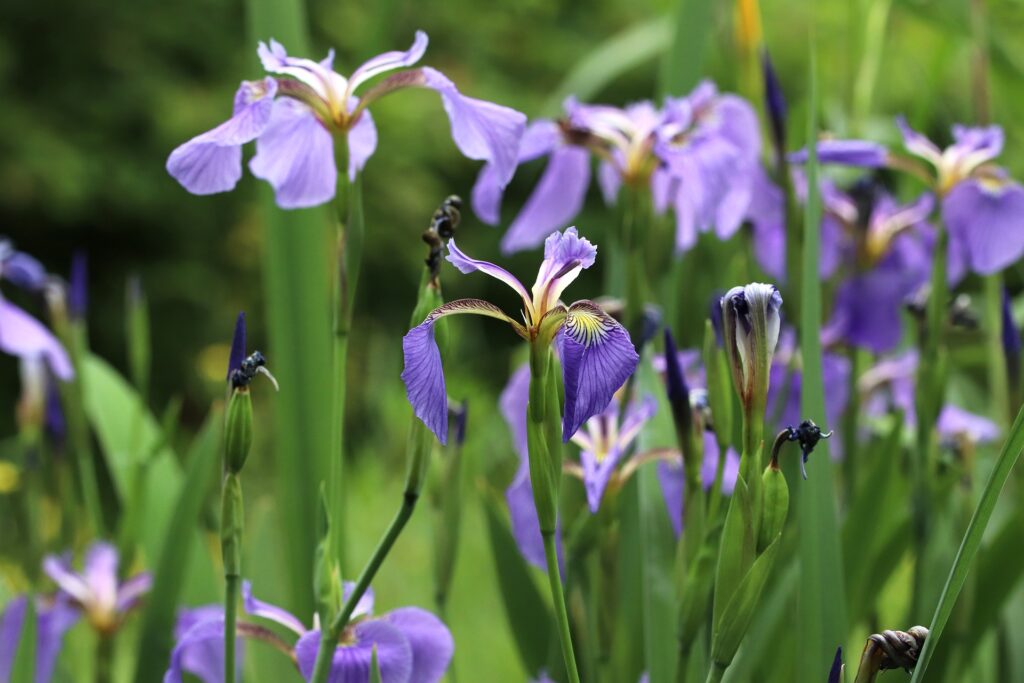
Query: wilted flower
x=412 y=645
x=596 y=353
x=751 y=317
x=696 y=155
x=295 y=116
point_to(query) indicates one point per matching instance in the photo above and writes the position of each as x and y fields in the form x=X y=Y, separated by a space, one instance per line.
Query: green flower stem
x=561 y=614
x=105 y=658
x=329 y=636
x=231 y=549
x=231 y=585
x=998 y=375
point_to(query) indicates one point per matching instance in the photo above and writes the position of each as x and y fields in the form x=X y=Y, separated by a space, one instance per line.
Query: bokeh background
x=96 y=94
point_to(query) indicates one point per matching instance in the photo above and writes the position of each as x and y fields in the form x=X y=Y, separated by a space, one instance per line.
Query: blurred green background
x=97 y=94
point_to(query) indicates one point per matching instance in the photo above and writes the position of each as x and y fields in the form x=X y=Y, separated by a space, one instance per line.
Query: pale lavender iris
x=412 y=645
x=982 y=207
x=596 y=353
x=296 y=114
x=696 y=155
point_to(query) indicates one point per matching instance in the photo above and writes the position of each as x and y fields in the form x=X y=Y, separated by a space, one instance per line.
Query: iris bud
x=751 y=320
x=774 y=505
x=238 y=430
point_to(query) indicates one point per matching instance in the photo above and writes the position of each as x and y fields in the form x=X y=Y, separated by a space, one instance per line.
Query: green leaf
x=736 y=552
x=612 y=58
x=374 y=667
x=298 y=292
x=683 y=63
x=742 y=604
x=530 y=619
x=971 y=542
x=172 y=566
x=1000 y=568
x=822 y=618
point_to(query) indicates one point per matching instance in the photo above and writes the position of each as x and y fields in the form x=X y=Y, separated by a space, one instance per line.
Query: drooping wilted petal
x=351 y=662
x=986 y=219
x=265 y=610
x=555 y=201
x=430 y=640
x=295 y=154
x=212 y=161
x=389 y=61
x=861 y=153
x=597 y=358
x=566 y=255
x=467 y=264
x=482 y=130
x=422 y=372
x=539 y=139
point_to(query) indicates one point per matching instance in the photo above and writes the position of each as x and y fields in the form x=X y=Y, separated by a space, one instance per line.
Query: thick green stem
x=998 y=375
x=231 y=551
x=231 y=585
x=329 y=636
x=716 y=673
x=104 y=658
x=561 y=614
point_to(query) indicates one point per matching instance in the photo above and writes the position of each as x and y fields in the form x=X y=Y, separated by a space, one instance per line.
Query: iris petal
x=351 y=663
x=430 y=640
x=985 y=220
x=389 y=61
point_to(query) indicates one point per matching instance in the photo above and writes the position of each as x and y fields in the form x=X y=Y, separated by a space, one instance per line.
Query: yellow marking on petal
x=586 y=326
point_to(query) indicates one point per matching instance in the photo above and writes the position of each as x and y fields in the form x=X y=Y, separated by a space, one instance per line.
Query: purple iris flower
x=20 y=268
x=295 y=115
x=96 y=591
x=889 y=385
x=54 y=616
x=596 y=352
x=23 y=336
x=894 y=259
x=696 y=155
x=981 y=205
x=412 y=645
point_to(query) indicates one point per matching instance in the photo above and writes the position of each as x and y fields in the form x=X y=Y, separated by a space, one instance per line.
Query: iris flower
x=296 y=114
x=596 y=353
x=696 y=155
x=412 y=645
x=981 y=205
x=95 y=593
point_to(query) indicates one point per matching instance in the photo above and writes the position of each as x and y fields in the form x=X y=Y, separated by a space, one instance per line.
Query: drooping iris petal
x=351 y=662
x=362 y=143
x=555 y=201
x=467 y=264
x=422 y=372
x=539 y=139
x=54 y=620
x=597 y=357
x=513 y=402
x=482 y=130
x=199 y=647
x=389 y=61
x=861 y=153
x=11 y=621
x=295 y=154
x=265 y=610
x=212 y=161
x=23 y=336
x=430 y=640
x=523 y=514
x=986 y=219
x=566 y=255
x=955 y=422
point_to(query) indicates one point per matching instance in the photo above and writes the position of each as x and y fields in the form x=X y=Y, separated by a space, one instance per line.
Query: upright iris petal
x=566 y=255
x=597 y=358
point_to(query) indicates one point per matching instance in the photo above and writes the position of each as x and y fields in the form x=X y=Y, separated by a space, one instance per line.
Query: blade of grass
x=171 y=568
x=971 y=542
x=297 y=250
x=822 y=614
x=683 y=63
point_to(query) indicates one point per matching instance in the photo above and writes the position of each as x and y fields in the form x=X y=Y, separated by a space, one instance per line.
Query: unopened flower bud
x=774 y=506
x=238 y=430
x=751 y=320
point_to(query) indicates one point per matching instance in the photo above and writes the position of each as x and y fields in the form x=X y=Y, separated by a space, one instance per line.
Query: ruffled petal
x=597 y=358
x=212 y=162
x=482 y=130
x=23 y=336
x=389 y=61
x=987 y=220
x=422 y=372
x=265 y=610
x=351 y=663
x=555 y=201
x=296 y=156
x=430 y=640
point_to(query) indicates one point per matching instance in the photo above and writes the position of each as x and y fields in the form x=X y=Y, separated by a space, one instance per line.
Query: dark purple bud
x=78 y=286
x=1011 y=338
x=460 y=414
x=836 y=674
x=20 y=269
x=677 y=389
x=775 y=103
x=716 y=317
x=650 y=323
x=237 y=346
x=55 y=424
